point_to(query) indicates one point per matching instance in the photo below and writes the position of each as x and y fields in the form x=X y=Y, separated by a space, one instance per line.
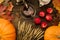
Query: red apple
x=43 y=24
x=37 y=20
x=41 y=14
x=48 y=17
x=50 y=10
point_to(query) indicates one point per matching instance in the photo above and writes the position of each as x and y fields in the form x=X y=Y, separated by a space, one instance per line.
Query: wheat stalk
x=26 y=32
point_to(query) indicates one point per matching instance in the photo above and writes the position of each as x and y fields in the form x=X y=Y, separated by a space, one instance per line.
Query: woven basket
x=26 y=29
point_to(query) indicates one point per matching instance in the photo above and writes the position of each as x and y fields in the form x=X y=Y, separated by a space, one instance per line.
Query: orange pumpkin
x=52 y=33
x=7 y=30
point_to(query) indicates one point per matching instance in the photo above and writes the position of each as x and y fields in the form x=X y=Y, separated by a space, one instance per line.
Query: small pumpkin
x=52 y=33
x=7 y=30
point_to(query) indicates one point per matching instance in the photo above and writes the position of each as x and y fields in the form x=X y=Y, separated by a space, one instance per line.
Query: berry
x=43 y=24
x=48 y=17
x=37 y=20
x=50 y=10
x=41 y=14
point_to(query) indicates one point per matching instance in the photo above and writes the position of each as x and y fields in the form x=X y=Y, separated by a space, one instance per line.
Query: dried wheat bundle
x=27 y=32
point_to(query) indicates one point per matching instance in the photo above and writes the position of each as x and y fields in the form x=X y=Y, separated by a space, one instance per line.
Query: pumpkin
x=7 y=30
x=52 y=33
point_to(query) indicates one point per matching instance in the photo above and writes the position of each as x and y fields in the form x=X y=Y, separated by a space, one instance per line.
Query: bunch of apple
x=45 y=16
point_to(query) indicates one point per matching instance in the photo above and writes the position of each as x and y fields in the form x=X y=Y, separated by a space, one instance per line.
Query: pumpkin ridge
x=52 y=33
x=9 y=33
x=7 y=30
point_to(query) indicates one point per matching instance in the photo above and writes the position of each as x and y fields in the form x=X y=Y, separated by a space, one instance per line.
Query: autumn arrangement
x=21 y=20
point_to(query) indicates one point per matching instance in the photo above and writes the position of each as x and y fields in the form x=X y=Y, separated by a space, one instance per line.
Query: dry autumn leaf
x=10 y=7
x=56 y=4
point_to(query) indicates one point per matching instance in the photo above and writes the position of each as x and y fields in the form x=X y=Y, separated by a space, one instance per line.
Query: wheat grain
x=26 y=32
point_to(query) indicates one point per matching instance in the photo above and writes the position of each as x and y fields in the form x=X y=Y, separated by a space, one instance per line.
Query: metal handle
x=25 y=4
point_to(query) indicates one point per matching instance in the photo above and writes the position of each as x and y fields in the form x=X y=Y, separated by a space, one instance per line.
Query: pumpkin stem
x=59 y=24
x=58 y=37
